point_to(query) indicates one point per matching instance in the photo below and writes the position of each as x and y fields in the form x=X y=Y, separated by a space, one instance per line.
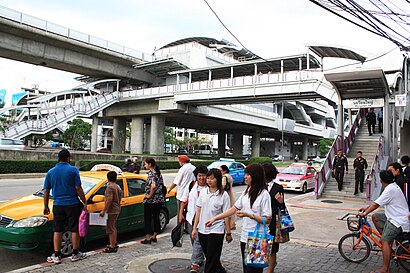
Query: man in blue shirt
x=64 y=181
x=380 y=120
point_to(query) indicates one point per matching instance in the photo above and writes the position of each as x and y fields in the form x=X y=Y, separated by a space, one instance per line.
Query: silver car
x=11 y=144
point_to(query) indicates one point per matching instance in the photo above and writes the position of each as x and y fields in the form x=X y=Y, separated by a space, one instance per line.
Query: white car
x=12 y=144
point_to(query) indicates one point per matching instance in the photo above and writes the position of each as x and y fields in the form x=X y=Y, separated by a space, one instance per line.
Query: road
x=12 y=188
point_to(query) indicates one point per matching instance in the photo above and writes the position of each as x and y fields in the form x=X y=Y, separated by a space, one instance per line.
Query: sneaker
x=194 y=268
x=79 y=256
x=54 y=259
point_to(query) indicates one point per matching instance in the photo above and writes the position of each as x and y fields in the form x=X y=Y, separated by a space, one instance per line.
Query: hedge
x=27 y=166
x=260 y=160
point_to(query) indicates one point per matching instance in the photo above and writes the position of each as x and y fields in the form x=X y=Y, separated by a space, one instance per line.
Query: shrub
x=260 y=160
x=27 y=166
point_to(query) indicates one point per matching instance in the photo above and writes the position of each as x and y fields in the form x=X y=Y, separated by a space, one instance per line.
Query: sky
x=269 y=28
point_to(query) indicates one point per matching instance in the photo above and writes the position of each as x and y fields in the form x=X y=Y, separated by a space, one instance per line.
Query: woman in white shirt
x=252 y=205
x=211 y=202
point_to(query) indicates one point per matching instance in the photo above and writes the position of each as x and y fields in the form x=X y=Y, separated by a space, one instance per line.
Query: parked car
x=236 y=169
x=24 y=227
x=103 y=150
x=277 y=158
x=297 y=177
x=12 y=144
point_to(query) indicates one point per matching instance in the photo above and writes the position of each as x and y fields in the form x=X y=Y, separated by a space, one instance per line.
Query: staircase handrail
x=325 y=171
x=375 y=168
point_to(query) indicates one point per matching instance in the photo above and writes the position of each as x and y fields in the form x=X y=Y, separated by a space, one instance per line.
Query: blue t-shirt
x=62 y=180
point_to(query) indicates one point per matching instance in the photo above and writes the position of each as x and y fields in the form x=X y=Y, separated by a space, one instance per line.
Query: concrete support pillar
x=387 y=121
x=221 y=143
x=118 y=135
x=237 y=145
x=157 y=134
x=305 y=148
x=256 y=143
x=137 y=135
x=94 y=134
x=147 y=138
x=404 y=134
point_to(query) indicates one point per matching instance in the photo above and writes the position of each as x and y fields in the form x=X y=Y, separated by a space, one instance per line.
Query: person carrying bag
x=258 y=247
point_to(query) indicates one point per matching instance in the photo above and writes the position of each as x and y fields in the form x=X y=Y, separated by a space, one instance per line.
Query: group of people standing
x=207 y=205
x=371 y=119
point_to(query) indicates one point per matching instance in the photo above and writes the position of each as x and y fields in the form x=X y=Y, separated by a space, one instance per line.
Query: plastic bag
x=258 y=247
x=83 y=223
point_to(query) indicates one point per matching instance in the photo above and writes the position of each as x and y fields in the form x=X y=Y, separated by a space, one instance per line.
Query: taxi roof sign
x=106 y=167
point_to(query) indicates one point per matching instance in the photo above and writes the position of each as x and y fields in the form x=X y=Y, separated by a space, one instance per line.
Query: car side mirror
x=98 y=198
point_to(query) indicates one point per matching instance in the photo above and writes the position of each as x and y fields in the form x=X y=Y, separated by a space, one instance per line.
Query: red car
x=103 y=150
x=297 y=177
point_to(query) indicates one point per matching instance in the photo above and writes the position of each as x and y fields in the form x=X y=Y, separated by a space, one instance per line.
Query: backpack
x=227 y=185
x=191 y=185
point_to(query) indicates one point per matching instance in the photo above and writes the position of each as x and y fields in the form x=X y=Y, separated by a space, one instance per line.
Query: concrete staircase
x=368 y=145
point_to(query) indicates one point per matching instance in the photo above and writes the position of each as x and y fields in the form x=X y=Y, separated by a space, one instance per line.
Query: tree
x=77 y=133
x=324 y=145
x=169 y=137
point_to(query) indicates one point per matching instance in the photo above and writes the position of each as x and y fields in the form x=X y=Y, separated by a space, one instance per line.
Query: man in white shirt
x=184 y=177
x=191 y=194
x=397 y=214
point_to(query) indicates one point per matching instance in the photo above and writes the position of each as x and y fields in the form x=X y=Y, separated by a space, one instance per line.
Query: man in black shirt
x=360 y=166
x=338 y=170
x=401 y=180
x=371 y=121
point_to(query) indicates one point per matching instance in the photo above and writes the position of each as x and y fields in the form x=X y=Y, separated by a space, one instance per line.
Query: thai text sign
x=363 y=103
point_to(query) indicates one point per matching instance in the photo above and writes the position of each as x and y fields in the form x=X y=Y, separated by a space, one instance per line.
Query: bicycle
x=356 y=246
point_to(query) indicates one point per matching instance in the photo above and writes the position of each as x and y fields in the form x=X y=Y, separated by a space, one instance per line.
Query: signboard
x=363 y=103
x=400 y=100
x=2 y=97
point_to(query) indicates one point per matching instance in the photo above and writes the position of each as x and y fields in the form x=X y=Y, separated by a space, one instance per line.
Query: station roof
x=360 y=84
x=336 y=52
x=290 y=63
x=208 y=42
x=162 y=67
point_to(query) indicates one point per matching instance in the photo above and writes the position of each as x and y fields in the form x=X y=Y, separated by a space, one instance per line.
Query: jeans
x=197 y=256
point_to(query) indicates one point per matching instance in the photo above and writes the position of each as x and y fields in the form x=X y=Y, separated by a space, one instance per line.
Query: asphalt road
x=12 y=188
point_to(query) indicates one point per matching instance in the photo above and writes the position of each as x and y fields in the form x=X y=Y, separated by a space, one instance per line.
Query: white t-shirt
x=395 y=206
x=261 y=207
x=211 y=205
x=192 y=197
x=184 y=177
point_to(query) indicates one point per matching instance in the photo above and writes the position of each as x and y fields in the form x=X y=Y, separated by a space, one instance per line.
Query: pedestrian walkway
x=313 y=247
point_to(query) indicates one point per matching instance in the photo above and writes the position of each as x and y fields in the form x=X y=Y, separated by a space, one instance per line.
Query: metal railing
x=38 y=23
x=374 y=169
x=323 y=175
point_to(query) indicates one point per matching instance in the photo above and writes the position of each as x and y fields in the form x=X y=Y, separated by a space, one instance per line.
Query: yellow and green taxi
x=23 y=226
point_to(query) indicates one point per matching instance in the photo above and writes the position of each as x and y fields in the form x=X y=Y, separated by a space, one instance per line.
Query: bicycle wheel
x=403 y=255
x=352 y=250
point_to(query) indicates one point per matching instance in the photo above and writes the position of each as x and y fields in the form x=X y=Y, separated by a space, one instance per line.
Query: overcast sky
x=269 y=28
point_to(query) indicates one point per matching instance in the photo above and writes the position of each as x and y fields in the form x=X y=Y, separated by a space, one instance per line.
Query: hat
x=183 y=158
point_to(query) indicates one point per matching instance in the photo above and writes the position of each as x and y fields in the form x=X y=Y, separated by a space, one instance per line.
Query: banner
x=2 y=97
x=15 y=98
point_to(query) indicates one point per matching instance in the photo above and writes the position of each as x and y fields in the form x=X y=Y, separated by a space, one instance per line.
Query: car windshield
x=294 y=170
x=87 y=186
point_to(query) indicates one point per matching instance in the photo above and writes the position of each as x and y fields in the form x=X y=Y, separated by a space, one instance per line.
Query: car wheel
x=163 y=220
x=304 y=188
x=66 y=244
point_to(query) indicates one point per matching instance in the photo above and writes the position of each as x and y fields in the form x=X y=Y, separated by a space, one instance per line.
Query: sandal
x=110 y=249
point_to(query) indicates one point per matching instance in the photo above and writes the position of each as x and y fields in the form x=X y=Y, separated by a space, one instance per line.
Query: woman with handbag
x=277 y=195
x=253 y=205
x=153 y=200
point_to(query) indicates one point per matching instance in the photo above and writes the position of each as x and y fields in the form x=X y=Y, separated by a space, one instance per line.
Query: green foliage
x=324 y=145
x=27 y=166
x=260 y=160
x=169 y=136
x=77 y=134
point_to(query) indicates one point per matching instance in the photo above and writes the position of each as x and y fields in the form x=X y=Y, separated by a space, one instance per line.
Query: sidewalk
x=313 y=247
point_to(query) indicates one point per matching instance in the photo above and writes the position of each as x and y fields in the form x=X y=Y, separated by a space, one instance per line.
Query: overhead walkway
x=86 y=100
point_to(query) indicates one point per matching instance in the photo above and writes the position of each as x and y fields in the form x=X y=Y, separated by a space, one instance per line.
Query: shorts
x=381 y=219
x=390 y=232
x=66 y=217
x=112 y=223
x=275 y=248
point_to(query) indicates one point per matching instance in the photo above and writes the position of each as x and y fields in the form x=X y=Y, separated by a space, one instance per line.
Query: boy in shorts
x=112 y=206
x=397 y=215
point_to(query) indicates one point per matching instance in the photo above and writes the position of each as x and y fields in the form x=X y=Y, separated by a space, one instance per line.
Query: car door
x=310 y=174
x=135 y=206
x=233 y=172
x=241 y=172
x=100 y=231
